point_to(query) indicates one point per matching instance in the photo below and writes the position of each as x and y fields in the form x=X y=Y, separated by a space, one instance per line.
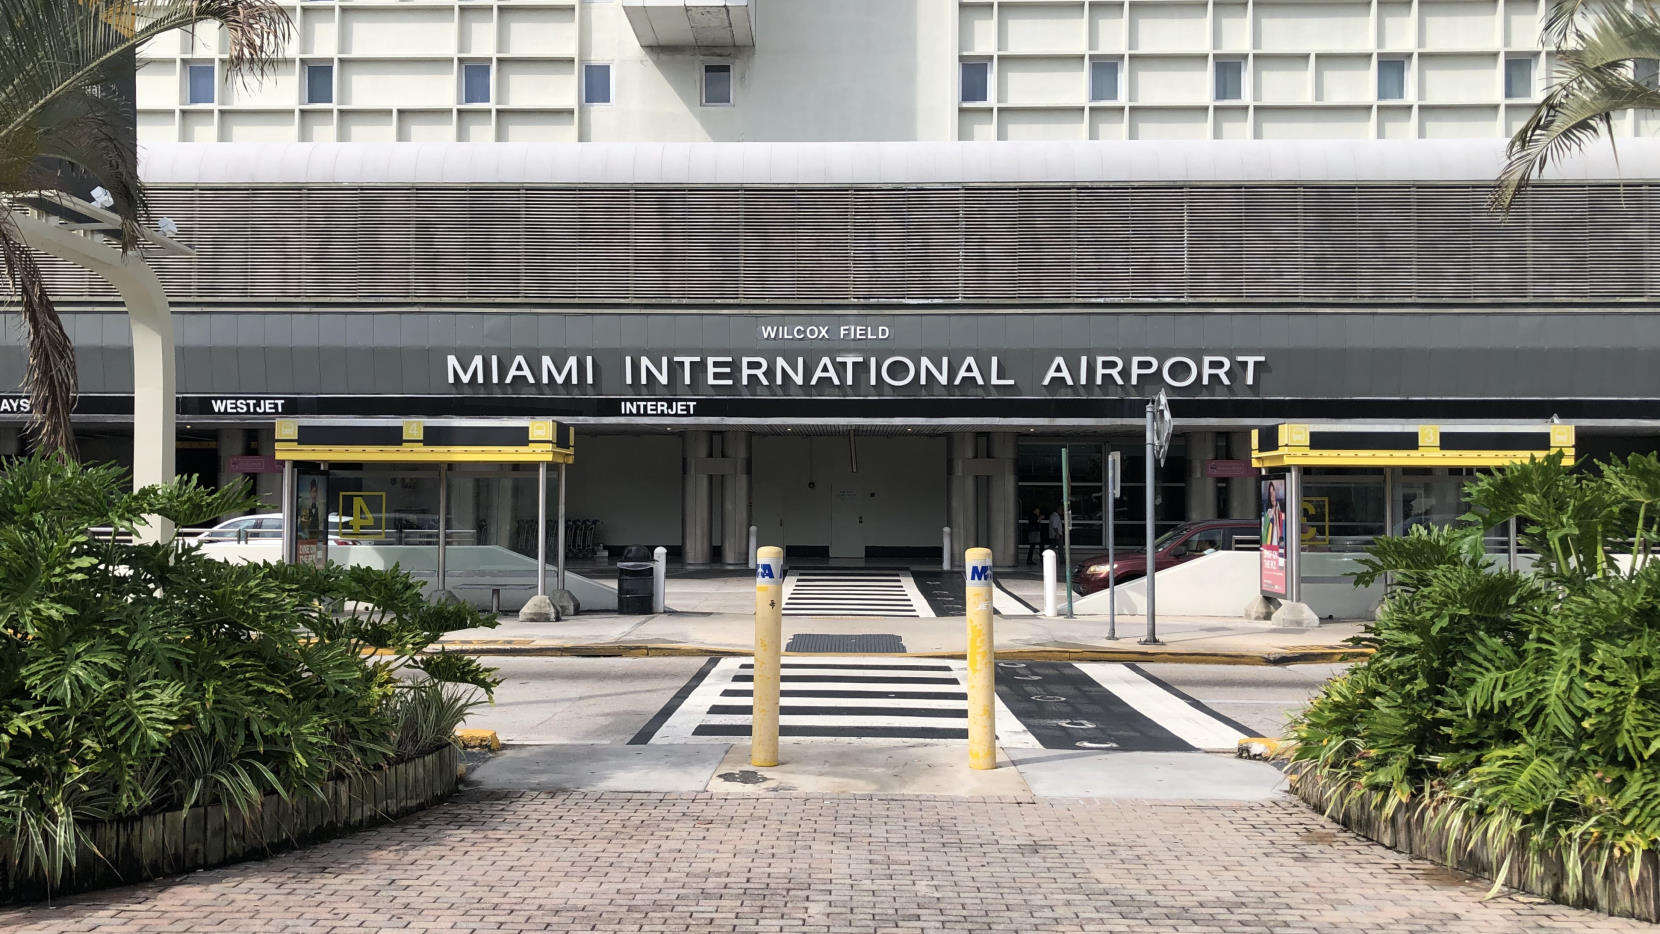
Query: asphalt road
x=609 y=700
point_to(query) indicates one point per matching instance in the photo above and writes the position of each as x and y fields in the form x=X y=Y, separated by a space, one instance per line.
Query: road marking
x=1191 y=723
x=839 y=592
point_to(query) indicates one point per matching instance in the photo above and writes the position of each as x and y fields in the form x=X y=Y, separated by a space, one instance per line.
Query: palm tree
x=1605 y=65
x=66 y=74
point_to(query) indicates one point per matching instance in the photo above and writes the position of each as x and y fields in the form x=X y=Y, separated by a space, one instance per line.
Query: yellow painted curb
x=479 y=739
x=1258 y=747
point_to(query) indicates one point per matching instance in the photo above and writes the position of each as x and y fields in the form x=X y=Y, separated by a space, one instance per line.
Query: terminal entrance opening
x=851 y=496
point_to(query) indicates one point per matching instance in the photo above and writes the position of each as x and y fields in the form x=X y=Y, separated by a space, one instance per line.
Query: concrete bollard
x=660 y=579
x=945 y=548
x=982 y=661
x=1049 y=607
x=769 y=610
x=754 y=542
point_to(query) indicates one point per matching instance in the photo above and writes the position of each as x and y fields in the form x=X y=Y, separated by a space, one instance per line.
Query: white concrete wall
x=1221 y=585
x=819 y=67
x=907 y=476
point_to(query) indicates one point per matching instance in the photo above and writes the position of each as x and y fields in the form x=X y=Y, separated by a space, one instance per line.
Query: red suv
x=1182 y=543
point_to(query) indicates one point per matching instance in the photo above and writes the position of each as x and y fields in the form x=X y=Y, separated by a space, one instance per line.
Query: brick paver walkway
x=826 y=865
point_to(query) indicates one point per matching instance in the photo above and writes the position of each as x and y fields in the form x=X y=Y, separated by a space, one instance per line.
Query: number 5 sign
x=362 y=515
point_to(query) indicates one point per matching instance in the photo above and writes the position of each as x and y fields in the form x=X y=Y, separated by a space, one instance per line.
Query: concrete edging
x=1309 y=656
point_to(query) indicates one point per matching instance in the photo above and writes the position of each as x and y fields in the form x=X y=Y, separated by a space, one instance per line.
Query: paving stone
x=815 y=864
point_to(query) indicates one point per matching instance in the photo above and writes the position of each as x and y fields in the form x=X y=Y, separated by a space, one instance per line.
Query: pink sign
x=253 y=463
x=1222 y=469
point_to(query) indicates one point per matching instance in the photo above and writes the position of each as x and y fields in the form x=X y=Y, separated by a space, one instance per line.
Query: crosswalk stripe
x=1186 y=721
x=848 y=698
x=832 y=592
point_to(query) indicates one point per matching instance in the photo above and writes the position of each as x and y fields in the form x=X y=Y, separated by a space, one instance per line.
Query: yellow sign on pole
x=363 y=514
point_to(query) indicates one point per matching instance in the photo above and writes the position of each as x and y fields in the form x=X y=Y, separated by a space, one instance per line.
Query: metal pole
x=443 y=522
x=982 y=663
x=542 y=529
x=1066 y=523
x=945 y=548
x=1152 y=637
x=1112 y=563
x=769 y=594
x=1512 y=544
x=559 y=531
x=290 y=515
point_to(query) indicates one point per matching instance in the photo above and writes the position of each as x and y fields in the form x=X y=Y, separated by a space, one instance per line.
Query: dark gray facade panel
x=1594 y=354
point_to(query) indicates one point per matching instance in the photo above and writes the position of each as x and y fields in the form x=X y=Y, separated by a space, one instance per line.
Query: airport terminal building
x=855 y=346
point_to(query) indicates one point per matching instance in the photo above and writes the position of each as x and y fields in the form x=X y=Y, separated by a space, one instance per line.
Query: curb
x=1301 y=656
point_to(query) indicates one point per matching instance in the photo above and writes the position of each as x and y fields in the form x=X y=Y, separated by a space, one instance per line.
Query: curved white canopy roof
x=944 y=163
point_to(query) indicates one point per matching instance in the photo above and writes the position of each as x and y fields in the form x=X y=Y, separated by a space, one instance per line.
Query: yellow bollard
x=769 y=610
x=982 y=661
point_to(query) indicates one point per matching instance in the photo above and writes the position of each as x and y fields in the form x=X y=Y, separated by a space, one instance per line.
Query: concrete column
x=694 y=525
x=964 y=521
x=734 y=547
x=1004 y=507
x=11 y=441
x=1201 y=490
x=267 y=485
x=1242 y=491
x=502 y=510
x=231 y=442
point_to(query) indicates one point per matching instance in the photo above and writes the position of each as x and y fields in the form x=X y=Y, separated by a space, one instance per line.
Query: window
x=1204 y=542
x=976 y=82
x=1646 y=72
x=319 y=84
x=717 y=85
x=201 y=83
x=1230 y=81
x=1103 y=80
x=596 y=84
x=475 y=83
x=1518 y=77
x=1391 y=79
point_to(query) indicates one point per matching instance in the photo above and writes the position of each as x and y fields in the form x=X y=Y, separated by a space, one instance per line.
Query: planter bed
x=171 y=842
x=1410 y=830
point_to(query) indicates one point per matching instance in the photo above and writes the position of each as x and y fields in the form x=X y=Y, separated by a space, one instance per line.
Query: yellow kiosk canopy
x=1407 y=445
x=415 y=441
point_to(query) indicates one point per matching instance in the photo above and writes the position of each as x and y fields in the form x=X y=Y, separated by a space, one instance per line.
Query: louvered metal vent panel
x=1337 y=243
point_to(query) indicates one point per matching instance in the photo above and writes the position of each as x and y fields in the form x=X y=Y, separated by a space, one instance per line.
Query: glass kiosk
x=449 y=499
x=1329 y=490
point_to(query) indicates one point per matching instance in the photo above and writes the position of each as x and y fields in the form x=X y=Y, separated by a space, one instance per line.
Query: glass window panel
x=1391 y=79
x=1230 y=81
x=1103 y=80
x=596 y=84
x=1646 y=72
x=319 y=84
x=1518 y=77
x=201 y=84
x=475 y=84
x=976 y=82
x=717 y=84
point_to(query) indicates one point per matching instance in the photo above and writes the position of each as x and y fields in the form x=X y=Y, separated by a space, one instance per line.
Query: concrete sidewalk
x=1191 y=639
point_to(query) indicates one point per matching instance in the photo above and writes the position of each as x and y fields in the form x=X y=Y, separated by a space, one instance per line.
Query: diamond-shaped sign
x=1162 y=425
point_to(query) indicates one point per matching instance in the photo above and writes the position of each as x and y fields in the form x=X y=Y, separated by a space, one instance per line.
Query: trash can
x=636 y=553
x=635 y=580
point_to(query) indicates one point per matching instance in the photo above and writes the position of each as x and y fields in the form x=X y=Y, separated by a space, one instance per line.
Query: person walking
x=1035 y=534
x=1057 y=528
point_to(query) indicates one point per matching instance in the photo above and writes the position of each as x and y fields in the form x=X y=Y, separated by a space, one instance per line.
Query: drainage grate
x=871 y=643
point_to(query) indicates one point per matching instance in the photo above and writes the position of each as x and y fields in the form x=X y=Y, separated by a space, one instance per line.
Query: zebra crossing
x=871 y=592
x=841 y=698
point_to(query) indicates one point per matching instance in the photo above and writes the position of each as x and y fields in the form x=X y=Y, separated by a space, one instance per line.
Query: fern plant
x=136 y=678
x=1520 y=711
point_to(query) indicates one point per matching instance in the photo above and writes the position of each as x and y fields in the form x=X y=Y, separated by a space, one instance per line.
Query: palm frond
x=50 y=376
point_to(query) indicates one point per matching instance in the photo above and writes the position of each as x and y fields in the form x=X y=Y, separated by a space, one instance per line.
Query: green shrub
x=1520 y=709
x=136 y=678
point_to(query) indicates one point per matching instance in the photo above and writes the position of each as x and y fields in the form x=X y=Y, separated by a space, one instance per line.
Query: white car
x=266 y=526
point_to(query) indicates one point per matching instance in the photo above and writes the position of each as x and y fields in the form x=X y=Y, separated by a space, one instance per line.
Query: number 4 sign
x=363 y=515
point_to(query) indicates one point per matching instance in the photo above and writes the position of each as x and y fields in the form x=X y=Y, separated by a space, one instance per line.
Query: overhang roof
x=881 y=163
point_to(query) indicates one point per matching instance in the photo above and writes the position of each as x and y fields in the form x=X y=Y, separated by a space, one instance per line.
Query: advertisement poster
x=311 y=515
x=1273 y=554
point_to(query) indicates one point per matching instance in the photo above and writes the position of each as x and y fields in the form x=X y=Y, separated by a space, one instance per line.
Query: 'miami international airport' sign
x=695 y=371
